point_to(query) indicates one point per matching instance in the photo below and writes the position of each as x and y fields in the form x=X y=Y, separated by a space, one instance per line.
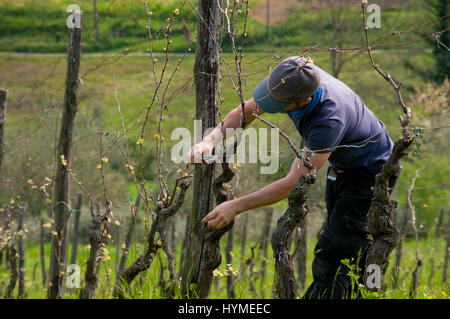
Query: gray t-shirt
x=341 y=118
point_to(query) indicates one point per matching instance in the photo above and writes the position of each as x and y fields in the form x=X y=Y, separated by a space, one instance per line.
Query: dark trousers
x=345 y=235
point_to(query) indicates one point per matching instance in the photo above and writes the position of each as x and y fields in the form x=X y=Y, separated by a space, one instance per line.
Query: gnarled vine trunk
x=96 y=234
x=384 y=232
x=286 y=285
x=144 y=261
x=381 y=225
x=211 y=256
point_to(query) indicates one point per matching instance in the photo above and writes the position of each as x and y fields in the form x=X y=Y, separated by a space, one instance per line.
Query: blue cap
x=291 y=81
x=267 y=102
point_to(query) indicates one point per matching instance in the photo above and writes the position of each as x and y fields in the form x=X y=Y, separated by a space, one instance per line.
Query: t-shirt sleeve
x=323 y=137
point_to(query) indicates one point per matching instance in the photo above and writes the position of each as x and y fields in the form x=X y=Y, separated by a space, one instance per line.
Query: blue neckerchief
x=309 y=107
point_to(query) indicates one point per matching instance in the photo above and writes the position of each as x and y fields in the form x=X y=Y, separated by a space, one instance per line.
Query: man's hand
x=222 y=215
x=196 y=153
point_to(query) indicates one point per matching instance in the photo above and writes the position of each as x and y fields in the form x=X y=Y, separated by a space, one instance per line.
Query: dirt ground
x=280 y=9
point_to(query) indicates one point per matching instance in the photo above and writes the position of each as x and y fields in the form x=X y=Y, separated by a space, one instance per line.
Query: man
x=335 y=125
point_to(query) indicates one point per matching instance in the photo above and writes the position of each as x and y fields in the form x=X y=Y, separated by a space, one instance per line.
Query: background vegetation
x=31 y=29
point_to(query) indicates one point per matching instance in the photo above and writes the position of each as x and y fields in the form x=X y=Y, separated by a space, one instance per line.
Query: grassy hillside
x=34 y=103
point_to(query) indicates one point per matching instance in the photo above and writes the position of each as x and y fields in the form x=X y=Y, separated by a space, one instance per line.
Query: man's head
x=289 y=87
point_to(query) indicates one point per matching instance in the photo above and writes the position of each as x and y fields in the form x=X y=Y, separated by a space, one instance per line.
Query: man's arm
x=270 y=194
x=232 y=120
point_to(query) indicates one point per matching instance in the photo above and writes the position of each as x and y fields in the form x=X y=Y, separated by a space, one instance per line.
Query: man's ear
x=258 y=110
x=307 y=101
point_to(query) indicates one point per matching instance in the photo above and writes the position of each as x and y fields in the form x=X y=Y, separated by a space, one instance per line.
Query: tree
x=206 y=72
x=441 y=39
x=3 y=97
x=339 y=16
x=383 y=230
x=95 y=14
x=61 y=203
x=286 y=284
x=76 y=225
x=21 y=251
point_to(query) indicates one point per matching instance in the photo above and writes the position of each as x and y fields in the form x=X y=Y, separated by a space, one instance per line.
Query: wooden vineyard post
x=3 y=97
x=61 y=202
x=206 y=72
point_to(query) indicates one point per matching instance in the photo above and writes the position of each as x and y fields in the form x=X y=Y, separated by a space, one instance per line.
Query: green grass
x=146 y=285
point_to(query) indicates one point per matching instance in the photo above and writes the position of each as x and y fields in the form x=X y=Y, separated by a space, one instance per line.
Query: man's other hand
x=222 y=215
